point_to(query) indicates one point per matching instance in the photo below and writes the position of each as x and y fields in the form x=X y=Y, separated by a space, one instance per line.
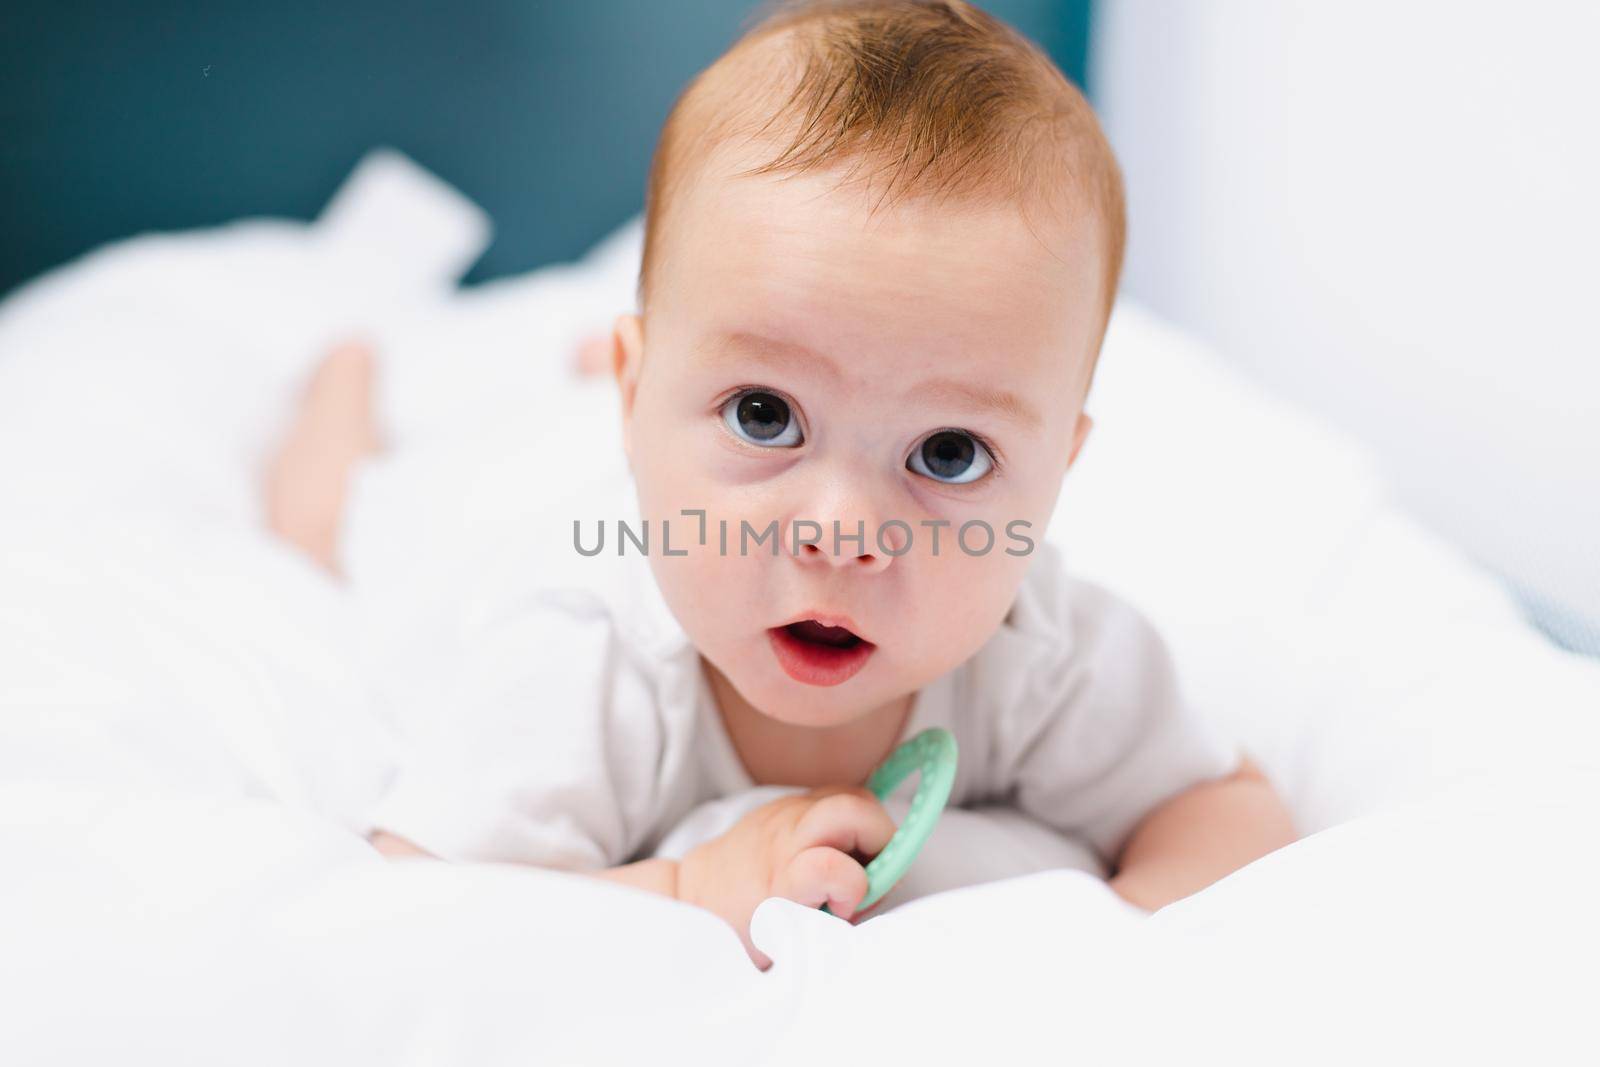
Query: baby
x=882 y=243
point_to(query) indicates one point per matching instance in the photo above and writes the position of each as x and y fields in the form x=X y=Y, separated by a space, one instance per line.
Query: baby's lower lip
x=816 y=664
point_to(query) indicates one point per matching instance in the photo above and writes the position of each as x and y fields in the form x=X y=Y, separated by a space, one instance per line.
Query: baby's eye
x=954 y=457
x=762 y=419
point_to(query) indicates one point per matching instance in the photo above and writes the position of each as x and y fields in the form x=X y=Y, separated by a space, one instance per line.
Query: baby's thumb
x=823 y=875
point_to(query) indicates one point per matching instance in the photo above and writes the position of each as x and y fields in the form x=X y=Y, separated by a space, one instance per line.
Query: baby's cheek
x=713 y=593
x=965 y=598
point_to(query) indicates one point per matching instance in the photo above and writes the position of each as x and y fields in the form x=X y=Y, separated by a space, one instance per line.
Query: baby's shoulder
x=603 y=587
x=594 y=633
x=1074 y=674
x=1059 y=615
x=1065 y=643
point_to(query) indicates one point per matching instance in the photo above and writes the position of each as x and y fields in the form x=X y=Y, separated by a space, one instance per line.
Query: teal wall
x=116 y=118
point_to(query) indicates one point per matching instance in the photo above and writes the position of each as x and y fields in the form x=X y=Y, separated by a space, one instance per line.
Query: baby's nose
x=860 y=545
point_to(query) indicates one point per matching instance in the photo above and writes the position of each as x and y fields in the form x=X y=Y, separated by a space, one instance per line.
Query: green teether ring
x=933 y=753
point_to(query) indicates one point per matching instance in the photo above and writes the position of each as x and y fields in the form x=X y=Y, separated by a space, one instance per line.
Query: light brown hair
x=926 y=97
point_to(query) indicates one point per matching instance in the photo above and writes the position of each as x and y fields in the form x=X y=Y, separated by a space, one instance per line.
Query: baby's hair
x=924 y=97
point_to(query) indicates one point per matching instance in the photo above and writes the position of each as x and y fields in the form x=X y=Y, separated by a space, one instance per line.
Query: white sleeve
x=1103 y=734
x=547 y=752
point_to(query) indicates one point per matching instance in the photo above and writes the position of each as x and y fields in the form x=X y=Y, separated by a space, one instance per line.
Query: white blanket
x=193 y=721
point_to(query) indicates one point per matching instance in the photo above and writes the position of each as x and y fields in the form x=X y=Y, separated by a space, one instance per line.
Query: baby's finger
x=821 y=876
x=850 y=821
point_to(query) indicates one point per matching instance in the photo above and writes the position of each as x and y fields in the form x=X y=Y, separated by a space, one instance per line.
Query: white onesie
x=582 y=729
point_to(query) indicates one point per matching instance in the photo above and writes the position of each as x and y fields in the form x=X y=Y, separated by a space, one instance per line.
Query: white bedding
x=189 y=739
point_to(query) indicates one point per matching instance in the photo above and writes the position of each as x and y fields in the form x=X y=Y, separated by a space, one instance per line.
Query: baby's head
x=882 y=242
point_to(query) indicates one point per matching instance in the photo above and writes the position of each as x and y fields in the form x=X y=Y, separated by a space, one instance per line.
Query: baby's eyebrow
x=950 y=392
x=977 y=398
x=773 y=352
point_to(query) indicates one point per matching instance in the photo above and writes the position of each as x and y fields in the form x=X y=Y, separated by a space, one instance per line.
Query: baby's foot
x=308 y=477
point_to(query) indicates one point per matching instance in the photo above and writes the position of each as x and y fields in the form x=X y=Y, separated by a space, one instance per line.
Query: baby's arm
x=1201 y=835
x=803 y=848
x=1111 y=750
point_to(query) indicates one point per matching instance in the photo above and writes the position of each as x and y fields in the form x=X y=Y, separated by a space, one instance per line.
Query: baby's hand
x=807 y=848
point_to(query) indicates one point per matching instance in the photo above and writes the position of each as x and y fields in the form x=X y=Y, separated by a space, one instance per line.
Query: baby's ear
x=627 y=351
x=1080 y=434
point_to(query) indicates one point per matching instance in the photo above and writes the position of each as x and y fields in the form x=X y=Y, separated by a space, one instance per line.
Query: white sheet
x=186 y=736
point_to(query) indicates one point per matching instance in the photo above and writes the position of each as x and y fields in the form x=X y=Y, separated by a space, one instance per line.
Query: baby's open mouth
x=816 y=654
x=813 y=631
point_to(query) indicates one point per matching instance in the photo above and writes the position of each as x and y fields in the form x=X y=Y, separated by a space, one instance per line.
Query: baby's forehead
x=800 y=262
x=836 y=222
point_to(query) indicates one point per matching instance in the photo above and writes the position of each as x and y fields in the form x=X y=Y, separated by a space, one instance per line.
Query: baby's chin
x=782 y=699
x=808 y=709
